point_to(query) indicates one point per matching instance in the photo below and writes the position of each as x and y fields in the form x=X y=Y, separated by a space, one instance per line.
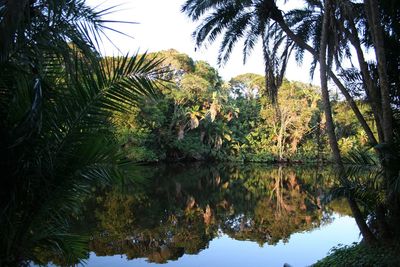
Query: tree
x=188 y=119
x=58 y=98
x=242 y=20
x=372 y=12
x=367 y=234
x=342 y=19
x=378 y=105
x=347 y=16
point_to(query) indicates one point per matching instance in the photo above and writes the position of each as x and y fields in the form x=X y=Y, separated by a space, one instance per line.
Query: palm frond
x=353 y=80
x=362 y=180
x=215 y=23
x=235 y=30
x=58 y=99
x=195 y=9
x=252 y=35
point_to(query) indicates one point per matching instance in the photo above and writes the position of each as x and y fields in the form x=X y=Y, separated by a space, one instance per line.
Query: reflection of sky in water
x=302 y=249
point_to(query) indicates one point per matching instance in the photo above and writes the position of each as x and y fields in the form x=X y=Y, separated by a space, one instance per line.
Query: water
x=302 y=249
x=203 y=215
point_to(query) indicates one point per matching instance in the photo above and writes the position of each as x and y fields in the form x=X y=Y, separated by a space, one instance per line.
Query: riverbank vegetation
x=71 y=120
x=329 y=31
x=362 y=255
x=198 y=116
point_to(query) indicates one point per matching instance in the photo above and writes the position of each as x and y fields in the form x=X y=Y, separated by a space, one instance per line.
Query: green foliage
x=176 y=61
x=248 y=84
x=268 y=132
x=187 y=122
x=197 y=117
x=57 y=139
x=349 y=132
x=361 y=255
x=193 y=88
x=208 y=73
x=70 y=120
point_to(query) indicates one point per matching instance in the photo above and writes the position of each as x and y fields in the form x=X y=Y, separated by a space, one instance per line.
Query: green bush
x=260 y=157
x=361 y=255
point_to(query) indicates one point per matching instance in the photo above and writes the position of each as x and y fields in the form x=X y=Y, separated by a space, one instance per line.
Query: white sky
x=162 y=26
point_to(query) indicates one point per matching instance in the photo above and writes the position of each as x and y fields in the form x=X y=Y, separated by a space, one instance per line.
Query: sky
x=162 y=26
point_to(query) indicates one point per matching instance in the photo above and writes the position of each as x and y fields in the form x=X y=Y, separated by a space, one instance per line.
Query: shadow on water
x=181 y=208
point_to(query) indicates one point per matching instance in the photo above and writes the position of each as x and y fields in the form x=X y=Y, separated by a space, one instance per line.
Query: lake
x=216 y=215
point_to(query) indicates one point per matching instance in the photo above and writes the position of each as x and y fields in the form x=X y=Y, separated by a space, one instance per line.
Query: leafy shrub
x=361 y=255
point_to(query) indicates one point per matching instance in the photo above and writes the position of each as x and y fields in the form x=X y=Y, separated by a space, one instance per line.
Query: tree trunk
x=375 y=27
x=383 y=118
x=364 y=229
x=270 y=86
x=368 y=236
x=330 y=128
x=372 y=11
x=371 y=89
x=350 y=101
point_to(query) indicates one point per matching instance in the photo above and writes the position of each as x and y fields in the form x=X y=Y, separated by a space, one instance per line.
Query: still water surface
x=302 y=249
x=204 y=215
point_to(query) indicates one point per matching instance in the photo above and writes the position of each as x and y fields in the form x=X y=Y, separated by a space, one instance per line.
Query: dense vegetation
x=198 y=116
x=329 y=30
x=57 y=139
x=361 y=255
x=71 y=120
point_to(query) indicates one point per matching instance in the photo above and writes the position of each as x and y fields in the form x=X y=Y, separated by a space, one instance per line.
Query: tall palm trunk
x=375 y=100
x=270 y=85
x=371 y=89
x=372 y=11
x=376 y=31
x=365 y=231
x=324 y=86
x=349 y=99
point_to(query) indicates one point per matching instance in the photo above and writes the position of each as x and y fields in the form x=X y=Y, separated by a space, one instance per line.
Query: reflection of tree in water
x=183 y=209
x=162 y=226
x=285 y=209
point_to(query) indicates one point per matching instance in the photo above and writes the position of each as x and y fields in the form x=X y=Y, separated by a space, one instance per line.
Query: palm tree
x=354 y=21
x=306 y=27
x=307 y=23
x=249 y=21
x=57 y=100
x=323 y=61
x=375 y=27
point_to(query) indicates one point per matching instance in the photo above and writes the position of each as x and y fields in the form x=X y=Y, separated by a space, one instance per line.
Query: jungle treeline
x=341 y=37
x=72 y=120
x=198 y=116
